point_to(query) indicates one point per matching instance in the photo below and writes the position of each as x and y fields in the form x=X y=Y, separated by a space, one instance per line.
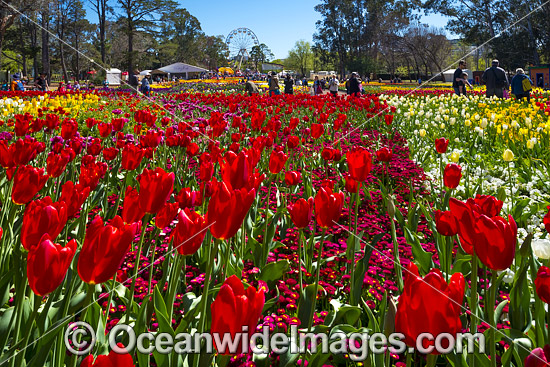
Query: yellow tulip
x=508 y=155
x=454 y=157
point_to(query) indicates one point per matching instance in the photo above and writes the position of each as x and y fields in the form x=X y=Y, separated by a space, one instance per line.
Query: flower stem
x=473 y=302
x=317 y=274
x=204 y=299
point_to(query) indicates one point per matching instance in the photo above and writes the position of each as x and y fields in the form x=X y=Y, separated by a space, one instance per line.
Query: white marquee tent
x=114 y=76
x=179 y=68
x=448 y=75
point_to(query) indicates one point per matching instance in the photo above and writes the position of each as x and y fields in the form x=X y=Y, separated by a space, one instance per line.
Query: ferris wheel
x=240 y=42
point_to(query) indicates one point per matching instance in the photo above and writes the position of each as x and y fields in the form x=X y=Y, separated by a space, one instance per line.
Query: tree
x=141 y=15
x=300 y=57
x=260 y=54
x=182 y=30
x=216 y=51
x=10 y=11
x=101 y=8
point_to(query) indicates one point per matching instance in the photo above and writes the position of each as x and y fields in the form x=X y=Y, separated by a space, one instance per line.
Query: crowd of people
x=496 y=81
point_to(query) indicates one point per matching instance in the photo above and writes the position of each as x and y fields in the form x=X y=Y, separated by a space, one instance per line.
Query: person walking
x=317 y=89
x=521 y=85
x=289 y=84
x=496 y=80
x=354 y=89
x=457 y=76
x=145 y=86
x=333 y=85
x=274 y=85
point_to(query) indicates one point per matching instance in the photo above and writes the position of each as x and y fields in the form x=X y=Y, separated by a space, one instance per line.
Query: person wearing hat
x=496 y=80
x=16 y=84
x=521 y=85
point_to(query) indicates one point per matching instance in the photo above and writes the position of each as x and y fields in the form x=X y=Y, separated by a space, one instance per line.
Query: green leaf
x=360 y=270
x=274 y=271
x=305 y=303
x=422 y=257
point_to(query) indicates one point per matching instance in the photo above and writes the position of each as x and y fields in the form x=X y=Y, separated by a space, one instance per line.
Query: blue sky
x=277 y=24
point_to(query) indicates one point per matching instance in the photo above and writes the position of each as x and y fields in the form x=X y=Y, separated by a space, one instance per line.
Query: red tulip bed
x=206 y=212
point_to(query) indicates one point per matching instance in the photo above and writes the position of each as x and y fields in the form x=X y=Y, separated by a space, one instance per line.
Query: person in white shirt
x=333 y=85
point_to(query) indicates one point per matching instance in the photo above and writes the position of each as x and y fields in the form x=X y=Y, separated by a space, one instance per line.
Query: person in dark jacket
x=518 y=89
x=496 y=80
x=457 y=76
x=354 y=85
x=289 y=84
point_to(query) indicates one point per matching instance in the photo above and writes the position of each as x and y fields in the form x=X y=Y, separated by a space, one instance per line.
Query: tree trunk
x=130 y=51
x=62 y=56
x=46 y=44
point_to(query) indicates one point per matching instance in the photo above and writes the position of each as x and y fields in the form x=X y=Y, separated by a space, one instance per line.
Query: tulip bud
x=390 y=207
x=455 y=157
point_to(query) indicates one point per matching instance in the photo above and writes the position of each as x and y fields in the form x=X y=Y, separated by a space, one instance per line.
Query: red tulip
x=328 y=207
x=452 y=175
x=293 y=142
x=69 y=128
x=485 y=204
x=301 y=212
x=542 y=284
x=27 y=182
x=104 y=129
x=539 y=357
x=91 y=173
x=155 y=187
x=495 y=241
x=24 y=150
x=359 y=163
x=206 y=170
x=73 y=196
x=6 y=155
x=47 y=264
x=388 y=119
x=446 y=223
x=384 y=154
x=327 y=153
x=166 y=215
x=110 y=153
x=131 y=210
x=227 y=209
x=131 y=157
x=112 y=359
x=41 y=217
x=187 y=198
x=104 y=249
x=189 y=232
x=317 y=130
x=351 y=185
x=429 y=305
x=293 y=178
x=235 y=308
x=56 y=163
x=237 y=170
x=466 y=224
x=277 y=161
x=441 y=145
